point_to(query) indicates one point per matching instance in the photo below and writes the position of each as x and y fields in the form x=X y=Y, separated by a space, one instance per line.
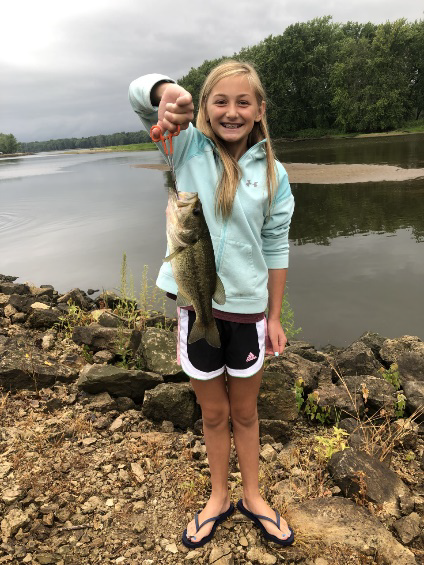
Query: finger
x=169 y=126
x=282 y=340
x=177 y=119
x=184 y=100
x=175 y=109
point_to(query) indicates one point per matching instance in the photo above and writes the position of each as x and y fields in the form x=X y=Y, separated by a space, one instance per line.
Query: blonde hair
x=231 y=173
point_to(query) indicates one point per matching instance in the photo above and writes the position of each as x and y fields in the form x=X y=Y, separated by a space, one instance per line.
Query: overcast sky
x=65 y=67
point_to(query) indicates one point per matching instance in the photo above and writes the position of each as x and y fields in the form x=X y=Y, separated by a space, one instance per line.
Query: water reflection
x=325 y=212
x=405 y=151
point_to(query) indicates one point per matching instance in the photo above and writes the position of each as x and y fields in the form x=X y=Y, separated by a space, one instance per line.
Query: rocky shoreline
x=102 y=458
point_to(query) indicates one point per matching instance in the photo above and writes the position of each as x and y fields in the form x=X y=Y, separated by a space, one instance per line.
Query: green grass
x=133 y=147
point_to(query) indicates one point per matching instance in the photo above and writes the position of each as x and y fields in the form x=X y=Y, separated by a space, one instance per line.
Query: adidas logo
x=250 y=357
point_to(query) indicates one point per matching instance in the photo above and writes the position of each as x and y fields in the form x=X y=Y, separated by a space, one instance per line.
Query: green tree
x=371 y=78
x=8 y=143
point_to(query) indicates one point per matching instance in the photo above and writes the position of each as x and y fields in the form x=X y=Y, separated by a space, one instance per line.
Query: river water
x=357 y=250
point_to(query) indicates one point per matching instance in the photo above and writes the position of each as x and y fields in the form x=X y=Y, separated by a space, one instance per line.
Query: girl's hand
x=276 y=338
x=175 y=108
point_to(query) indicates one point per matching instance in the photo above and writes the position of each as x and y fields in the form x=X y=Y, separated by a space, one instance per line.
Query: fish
x=193 y=263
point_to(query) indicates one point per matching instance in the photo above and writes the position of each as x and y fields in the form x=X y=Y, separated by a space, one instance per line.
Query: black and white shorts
x=241 y=353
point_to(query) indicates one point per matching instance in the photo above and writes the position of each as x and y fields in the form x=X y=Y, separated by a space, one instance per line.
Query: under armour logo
x=249 y=182
x=250 y=357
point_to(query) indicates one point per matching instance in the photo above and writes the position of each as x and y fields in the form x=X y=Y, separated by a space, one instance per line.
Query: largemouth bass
x=193 y=263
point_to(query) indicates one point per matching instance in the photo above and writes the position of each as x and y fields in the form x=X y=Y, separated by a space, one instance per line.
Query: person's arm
x=276 y=335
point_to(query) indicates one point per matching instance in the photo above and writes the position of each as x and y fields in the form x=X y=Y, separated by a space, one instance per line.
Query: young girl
x=247 y=202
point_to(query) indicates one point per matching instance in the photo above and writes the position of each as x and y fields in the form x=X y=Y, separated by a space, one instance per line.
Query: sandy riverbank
x=335 y=174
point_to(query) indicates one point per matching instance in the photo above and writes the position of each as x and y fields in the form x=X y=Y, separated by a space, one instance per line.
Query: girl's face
x=232 y=110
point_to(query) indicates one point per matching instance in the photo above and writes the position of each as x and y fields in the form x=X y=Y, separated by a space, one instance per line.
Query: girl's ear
x=261 y=111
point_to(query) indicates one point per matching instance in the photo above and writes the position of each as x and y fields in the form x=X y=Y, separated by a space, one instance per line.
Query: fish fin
x=210 y=333
x=182 y=300
x=173 y=254
x=219 y=294
x=198 y=331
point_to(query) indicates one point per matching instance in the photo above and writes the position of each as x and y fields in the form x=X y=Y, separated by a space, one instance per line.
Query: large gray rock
x=43 y=319
x=24 y=367
x=357 y=359
x=336 y=398
x=276 y=399
x=393 y=348
x=13 y=288
x=22 y=303
x=414 y=392
x=292 y=367
x=305 y=350
x=411 y=366
x=379 y=393
x=337 y=520
x=280 y=431
x=374 y=341
x=175 y=402
x=114 y=339
x=381 y=485
x=159 y=351
x=117 y=381
x=78 y=297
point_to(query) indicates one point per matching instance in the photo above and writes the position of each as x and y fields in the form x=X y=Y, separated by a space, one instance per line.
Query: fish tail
x=209 y=332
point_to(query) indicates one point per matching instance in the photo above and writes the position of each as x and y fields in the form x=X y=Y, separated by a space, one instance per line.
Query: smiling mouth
x=231 y=126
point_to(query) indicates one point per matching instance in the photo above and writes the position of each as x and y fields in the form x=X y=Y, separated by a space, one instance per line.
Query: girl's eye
x=220 y=102
x=243 y=102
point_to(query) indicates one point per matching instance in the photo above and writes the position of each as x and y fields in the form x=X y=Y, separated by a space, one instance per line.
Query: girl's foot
x=257 y=505
x=214 y=507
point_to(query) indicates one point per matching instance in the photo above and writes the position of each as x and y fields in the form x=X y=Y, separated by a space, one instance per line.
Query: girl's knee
x=215 y=416
x=244 y=415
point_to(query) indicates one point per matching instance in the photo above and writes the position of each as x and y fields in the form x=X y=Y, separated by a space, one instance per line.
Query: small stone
x=258 y=556
x=321 y=561
x=116 y=425
x=10 y=495
x=88 y=440
x=408 y=528
x=27 y=558
x=243 y=541
x=46 y=558
x=192 y=555
x=167 y=426
x=93 y=503
x=48 y=519
x=268 y=453
x=109 y=502
x=120 y=560
x=138 y=472
x=172 y=548
x=221 y=556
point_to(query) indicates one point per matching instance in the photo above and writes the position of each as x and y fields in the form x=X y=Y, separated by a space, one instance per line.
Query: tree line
x=319 y=75
x=324 y=75
x=102 y=140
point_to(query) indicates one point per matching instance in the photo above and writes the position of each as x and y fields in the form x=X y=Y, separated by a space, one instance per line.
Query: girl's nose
x=231 y=111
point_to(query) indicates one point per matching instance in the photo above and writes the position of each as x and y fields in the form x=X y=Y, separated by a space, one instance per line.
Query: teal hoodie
x=251 y=241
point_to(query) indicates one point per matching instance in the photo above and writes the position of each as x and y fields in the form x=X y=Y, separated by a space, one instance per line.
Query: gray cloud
x=79 y=86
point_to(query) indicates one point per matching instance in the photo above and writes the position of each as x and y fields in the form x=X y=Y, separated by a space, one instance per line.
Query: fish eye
x=196 y=211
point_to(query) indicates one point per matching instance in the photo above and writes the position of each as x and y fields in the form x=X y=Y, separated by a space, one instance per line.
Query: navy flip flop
x=218 y=519
x=256 y=520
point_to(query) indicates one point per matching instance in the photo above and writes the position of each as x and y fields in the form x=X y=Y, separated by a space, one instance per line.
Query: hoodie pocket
x=236 y=268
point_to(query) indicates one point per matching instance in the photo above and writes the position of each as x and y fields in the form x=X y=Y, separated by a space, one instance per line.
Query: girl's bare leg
x=243 y=393
x=212 y=396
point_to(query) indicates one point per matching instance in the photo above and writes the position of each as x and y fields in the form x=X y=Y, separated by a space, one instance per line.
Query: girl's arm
x=276 y=335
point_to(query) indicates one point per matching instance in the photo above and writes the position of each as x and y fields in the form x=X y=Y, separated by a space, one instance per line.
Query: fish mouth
x=186 y=199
